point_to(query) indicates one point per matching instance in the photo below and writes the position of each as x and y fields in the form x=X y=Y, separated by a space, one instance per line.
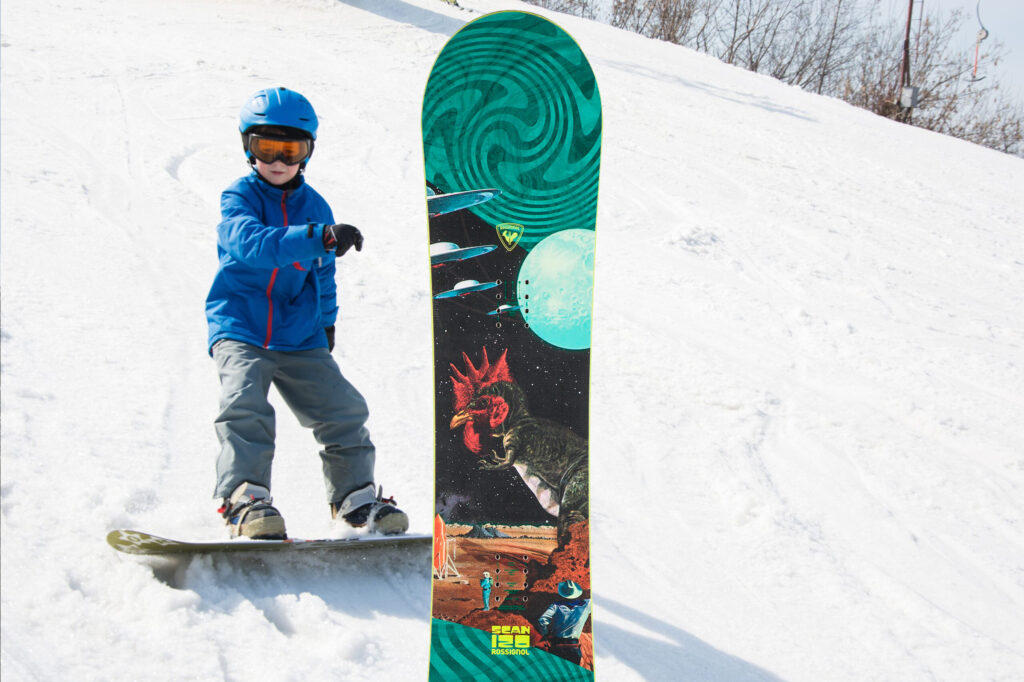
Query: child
x=271 y=313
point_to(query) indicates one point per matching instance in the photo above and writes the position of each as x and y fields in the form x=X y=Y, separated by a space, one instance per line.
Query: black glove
x=340 y=238
x=330 y=337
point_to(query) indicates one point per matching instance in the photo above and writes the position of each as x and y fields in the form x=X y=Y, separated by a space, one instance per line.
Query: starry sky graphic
x=556 y=381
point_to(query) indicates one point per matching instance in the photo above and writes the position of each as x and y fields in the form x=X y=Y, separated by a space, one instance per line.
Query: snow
x=807 y=418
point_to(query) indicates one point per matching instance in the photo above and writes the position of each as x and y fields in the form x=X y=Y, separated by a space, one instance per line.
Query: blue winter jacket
x=274 y=286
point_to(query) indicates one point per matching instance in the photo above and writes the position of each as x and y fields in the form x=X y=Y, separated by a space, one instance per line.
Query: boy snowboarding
x=271 y=312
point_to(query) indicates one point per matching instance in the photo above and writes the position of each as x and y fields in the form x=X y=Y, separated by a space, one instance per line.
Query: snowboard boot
x=249 y=513
x=362 y=507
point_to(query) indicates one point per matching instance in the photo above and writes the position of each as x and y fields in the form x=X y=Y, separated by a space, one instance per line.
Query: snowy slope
x=807 y=423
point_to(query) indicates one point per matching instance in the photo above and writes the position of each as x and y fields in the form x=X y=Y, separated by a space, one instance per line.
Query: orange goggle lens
x=269 y=150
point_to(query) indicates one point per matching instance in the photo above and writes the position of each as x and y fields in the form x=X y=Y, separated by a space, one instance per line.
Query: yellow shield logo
x=509 y=234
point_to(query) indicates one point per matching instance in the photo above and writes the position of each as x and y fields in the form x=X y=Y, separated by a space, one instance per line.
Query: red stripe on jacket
x=273 y=278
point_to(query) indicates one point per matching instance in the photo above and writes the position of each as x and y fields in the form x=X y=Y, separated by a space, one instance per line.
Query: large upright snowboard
x=511 y=145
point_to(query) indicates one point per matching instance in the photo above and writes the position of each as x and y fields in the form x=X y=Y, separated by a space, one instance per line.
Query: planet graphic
x=555 y=288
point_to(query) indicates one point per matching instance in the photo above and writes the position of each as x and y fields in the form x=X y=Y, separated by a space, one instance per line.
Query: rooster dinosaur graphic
x=550 y=458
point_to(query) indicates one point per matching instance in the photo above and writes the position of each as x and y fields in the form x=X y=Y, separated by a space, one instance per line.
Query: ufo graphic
x=449 y=252
x=439 y=204
x=504 y=309
x=465 y=288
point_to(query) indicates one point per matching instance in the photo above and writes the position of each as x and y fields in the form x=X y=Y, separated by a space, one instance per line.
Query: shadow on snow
x=364 y=584
x=404 y=13
x=676 y=655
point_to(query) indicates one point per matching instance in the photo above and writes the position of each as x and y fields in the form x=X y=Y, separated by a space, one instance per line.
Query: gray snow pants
x=314 y=389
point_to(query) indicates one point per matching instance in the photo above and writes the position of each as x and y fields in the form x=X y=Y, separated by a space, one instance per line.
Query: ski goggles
x=271 y=149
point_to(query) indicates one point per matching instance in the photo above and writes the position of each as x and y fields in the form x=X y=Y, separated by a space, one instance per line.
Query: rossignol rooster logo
x=492 y=411
x=509 y=234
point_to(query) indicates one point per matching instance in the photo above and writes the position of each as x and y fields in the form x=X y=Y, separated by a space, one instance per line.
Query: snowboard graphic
x=512 y=119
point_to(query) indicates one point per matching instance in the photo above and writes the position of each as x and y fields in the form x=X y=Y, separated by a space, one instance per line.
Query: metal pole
x=905 y=68
x=905 y=71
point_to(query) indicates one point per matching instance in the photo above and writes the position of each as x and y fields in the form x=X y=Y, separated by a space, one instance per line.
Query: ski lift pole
x=905 y=67
x=907 y=97
x=982 y=34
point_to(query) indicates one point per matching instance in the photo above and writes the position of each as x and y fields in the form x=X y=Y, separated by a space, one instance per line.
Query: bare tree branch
x=840 y=48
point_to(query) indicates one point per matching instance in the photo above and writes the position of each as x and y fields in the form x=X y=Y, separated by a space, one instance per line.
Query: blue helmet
x=277 y=112
x=278 y=107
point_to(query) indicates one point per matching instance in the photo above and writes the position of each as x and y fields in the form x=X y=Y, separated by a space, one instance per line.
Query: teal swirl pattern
x=463 y=654
x=512 y=103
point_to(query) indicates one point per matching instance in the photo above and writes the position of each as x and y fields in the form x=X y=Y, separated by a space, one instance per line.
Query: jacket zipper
x=273 y=278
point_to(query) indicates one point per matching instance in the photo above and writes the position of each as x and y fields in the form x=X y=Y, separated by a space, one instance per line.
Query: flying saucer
x=465 y=288
x=439 y=204
x=449 y=252
x=504 y=309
